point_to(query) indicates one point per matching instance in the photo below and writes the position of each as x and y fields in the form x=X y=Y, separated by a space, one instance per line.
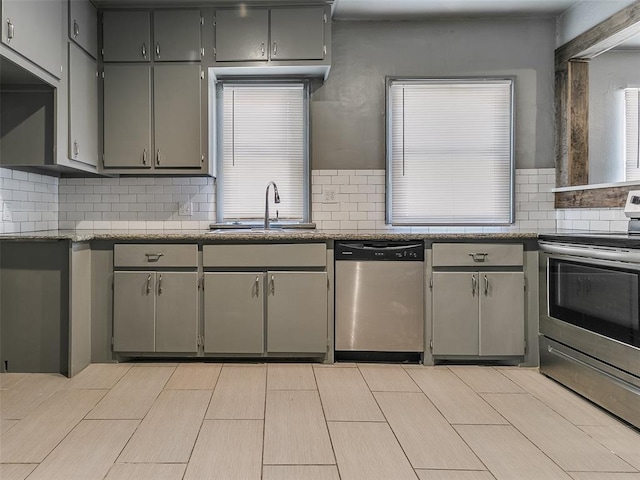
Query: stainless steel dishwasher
x=379 y=296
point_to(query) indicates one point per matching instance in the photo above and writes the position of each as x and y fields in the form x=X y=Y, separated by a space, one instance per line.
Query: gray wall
x=609 y=74
x=348 y=110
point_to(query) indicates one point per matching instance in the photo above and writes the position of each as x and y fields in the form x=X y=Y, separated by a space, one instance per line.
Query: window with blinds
x=450 y=152
x=631 y=136
x=262 y=137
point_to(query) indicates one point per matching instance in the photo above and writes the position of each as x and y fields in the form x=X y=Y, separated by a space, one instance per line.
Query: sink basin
x=263 y=231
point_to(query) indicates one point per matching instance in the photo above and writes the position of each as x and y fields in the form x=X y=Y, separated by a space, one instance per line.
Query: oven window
x=600 y=299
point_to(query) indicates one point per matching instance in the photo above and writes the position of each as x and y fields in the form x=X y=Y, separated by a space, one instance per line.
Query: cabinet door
x=134 y=311
x=176 y=311
x=83 y=107
x=242 y=35
x=296 y=312
x=83 y=25
x=177 y=116
x=127 y=116
x=34 y=29
x=233 y=313
x=176 y=35
x=297 y=33
x=455 y=313
x=502 y=313
x=126 y=36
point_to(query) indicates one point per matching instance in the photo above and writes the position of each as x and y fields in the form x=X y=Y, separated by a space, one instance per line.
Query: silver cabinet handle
x=486 y=286
x=76 y=148
x=272 y=285
x=144 y=156
x=479 y=257
x=10 y=30
x=144 y=51
x=76 y=29
x=262 y=48
x=275 y=48
x=153 y=257
x=149 y=284
x=257 y=285
x=158 y=157
x=474 y=285
x=158 y=50
x=160 y=285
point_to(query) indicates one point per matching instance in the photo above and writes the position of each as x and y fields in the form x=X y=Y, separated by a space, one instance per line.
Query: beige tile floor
x=200 y=421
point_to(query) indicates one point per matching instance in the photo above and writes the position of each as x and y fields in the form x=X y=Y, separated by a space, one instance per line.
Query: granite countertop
x=246 y=235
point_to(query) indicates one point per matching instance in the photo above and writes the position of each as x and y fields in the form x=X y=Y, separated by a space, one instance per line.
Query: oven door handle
x=615 y=254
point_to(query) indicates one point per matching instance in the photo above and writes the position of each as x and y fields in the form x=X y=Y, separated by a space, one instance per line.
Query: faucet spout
x=276 y=199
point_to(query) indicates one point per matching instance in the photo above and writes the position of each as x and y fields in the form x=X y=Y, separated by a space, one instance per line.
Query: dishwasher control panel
x=412 y=251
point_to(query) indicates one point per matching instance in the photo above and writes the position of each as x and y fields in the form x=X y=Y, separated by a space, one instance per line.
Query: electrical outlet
x=6 y=213
x=185 y=209
x=330 y=193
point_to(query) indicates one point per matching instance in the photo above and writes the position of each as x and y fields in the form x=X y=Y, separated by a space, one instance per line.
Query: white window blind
x=450 y=152
x=263 y=139
x=631 y=137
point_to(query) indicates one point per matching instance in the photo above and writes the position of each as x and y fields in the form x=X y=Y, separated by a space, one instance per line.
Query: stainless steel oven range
x=590 y=322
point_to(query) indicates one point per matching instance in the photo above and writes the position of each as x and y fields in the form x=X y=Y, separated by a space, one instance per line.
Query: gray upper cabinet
x=83 y=25
x=126 y=36
x=242 y=37
x=83 y=107
x=297 y=33
x=177 y=116
x=33 y=28
x=127 y=116
x=297 y=312
x=176 y=35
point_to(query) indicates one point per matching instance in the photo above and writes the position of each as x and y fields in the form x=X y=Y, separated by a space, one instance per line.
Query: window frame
x=216 y=133
x=389 y=81
x=625 y=136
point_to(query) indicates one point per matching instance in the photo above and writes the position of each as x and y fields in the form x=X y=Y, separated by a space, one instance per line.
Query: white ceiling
x=419 y=9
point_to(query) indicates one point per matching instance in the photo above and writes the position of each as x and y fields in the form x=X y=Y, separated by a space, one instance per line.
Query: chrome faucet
x=276 y=199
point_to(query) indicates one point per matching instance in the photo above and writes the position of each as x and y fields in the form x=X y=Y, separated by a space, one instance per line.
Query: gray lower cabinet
x=478 y=313
x=155 y=312
x=296 y=312
x=234 y=312
x=83 y=25
x=176 y=35
x=126 y=36
x=127 y=116
x=134 y=311
x=33 y=28
x=242 y=35
x=83 y=107
x=177 y=116
x=297 y=33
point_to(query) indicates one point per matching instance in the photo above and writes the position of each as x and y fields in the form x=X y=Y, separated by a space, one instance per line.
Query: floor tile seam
x=264 y=421
x=299 y=464
x=537 y=447
x=601 y=443
x=576 y=426
x=479 y=393
x=12 y=386
x=324 y=415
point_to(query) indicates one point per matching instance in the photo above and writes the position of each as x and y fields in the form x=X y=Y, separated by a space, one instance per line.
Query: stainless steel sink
x=261 y=231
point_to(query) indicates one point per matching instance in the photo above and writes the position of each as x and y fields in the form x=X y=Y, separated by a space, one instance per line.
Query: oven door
x=592 y=300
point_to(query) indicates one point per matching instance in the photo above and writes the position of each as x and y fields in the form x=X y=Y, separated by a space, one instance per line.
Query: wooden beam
x=578 y=96
x=622 y=24
x=597 y=197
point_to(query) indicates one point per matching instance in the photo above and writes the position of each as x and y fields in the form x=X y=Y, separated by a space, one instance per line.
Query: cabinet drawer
x=290 y=255
x=155 y=255
x=476 y=254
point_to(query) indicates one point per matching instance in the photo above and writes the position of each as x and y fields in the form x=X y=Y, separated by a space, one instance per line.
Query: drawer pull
x=153 y=257
x=479 y=257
